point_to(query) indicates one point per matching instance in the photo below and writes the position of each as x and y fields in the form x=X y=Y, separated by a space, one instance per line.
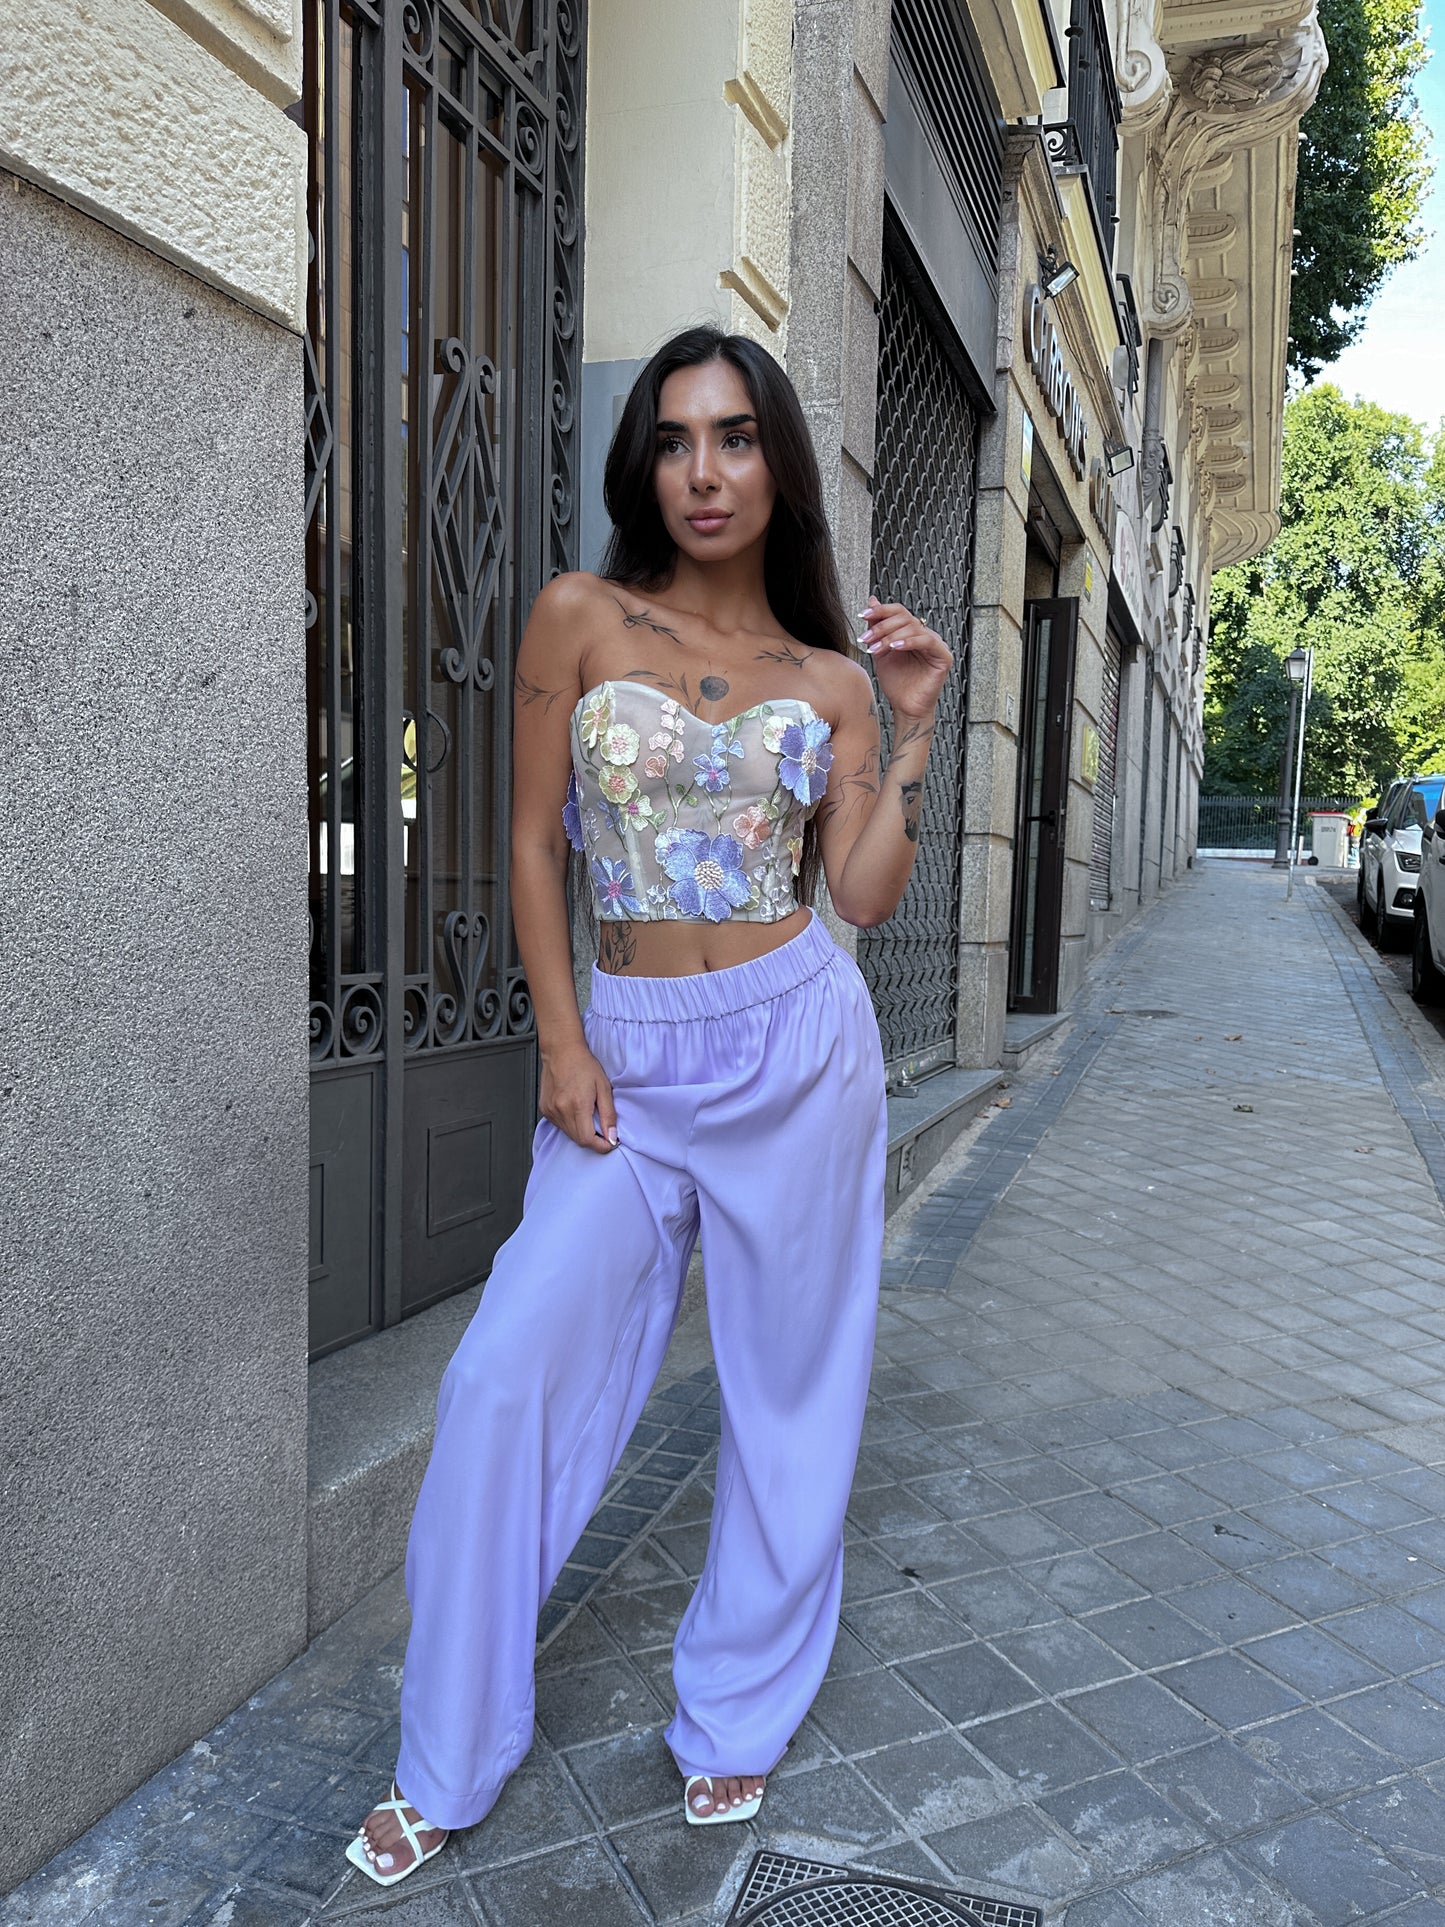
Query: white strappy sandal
x=739 y=1810
x=356 y=1849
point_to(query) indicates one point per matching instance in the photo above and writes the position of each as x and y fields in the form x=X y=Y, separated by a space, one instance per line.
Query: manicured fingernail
x=874 y=647
x=612 y=1137
x=899 y=644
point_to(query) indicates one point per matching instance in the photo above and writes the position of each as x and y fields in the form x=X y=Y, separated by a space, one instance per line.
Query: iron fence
x=1248 y=822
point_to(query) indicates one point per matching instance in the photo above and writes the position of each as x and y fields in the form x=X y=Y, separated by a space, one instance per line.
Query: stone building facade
x=319 y=325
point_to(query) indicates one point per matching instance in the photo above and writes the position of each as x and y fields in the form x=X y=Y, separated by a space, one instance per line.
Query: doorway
x=442 y=365
x=1050 y=628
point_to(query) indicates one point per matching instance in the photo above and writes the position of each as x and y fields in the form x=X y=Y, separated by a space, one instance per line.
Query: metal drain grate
x=782 y=1891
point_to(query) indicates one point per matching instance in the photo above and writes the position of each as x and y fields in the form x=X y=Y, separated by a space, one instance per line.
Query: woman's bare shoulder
x=572 y=596
x=846 y=684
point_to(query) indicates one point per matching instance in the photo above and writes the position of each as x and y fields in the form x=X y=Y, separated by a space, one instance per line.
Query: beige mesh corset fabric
x=689 y=821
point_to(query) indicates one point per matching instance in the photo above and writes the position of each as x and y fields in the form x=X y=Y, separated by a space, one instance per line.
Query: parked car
x=1390 y=858
x=1427 y=962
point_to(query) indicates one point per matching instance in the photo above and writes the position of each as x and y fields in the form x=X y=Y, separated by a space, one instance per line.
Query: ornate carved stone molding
x=1224 y=98
x=1236 y=533
x=1140 y=67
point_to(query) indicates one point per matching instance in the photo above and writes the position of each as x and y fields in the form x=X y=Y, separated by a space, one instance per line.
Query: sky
x=1399 y=358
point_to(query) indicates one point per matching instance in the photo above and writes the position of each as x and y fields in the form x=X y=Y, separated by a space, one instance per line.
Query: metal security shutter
x=1101 y=854
x=923 y=505
x=933 y=47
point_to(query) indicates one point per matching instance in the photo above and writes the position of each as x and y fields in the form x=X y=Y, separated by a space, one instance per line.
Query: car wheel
x=1383 y=933
x=1427 y=986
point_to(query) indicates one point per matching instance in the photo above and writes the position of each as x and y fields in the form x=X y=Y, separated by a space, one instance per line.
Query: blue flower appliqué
x=805 y=760
x=706 y=872
x=572 y=813
x=712 y=770
x=616 y=892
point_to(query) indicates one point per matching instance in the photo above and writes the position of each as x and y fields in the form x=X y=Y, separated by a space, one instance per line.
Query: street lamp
x=1294 y=664
x=1299 y=666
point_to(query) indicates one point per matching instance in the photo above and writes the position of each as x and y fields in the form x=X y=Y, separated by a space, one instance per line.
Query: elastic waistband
x=715 y=993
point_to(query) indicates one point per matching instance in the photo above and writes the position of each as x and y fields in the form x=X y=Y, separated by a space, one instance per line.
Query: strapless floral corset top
x=692 y=821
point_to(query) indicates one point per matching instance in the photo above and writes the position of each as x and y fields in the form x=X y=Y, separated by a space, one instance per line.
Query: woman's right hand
x=576 y=1096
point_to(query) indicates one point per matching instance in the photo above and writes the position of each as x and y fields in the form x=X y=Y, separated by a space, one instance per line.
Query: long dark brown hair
x=800 y=575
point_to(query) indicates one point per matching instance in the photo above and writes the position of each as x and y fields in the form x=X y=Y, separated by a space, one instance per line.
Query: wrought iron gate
x=923 y=505
x=442 y=375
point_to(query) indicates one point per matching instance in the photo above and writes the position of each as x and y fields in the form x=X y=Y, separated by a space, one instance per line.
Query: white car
x=1390 y=859
x=1427 y=964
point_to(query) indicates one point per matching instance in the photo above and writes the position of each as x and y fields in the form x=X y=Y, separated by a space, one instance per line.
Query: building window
x=1087 y=142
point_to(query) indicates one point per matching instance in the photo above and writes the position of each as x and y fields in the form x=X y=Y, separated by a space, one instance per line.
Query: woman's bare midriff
x=688 y=949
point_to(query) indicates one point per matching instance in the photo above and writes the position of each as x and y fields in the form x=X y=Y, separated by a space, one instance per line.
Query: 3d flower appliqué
x=617 y=783
x=596 y=715
x=616 y=892
x=620 y=744
x=806 y=760
x=706 y=873
x=572 y=812
x=712 y=769
x=754 y=826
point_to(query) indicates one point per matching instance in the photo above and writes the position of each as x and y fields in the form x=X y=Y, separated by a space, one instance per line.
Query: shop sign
x=1101 y=499
x=1056 y=384
x=1128 y=571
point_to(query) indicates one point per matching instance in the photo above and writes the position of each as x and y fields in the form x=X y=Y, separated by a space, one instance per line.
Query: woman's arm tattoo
x=910 y=794
x=862 y=782
x=911 y=735
x=529 y=693
x=617 y=946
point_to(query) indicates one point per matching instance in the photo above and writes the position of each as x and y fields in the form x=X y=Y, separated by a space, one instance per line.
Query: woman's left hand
x=912 y=661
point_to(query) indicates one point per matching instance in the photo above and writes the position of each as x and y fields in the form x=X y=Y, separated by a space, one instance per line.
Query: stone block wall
x=153 y=1088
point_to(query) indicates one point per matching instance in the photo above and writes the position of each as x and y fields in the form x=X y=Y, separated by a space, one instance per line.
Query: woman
x=697 y=705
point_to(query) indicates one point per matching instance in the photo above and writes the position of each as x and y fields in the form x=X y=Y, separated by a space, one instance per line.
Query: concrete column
x=153 y=1097
x=840 y=82
x=153 y=1101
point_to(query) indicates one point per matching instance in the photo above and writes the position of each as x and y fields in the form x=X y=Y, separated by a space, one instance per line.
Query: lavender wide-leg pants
x=750 y=1107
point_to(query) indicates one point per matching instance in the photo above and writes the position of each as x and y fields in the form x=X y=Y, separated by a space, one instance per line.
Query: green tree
x=1357 y=573
x=1363 y=171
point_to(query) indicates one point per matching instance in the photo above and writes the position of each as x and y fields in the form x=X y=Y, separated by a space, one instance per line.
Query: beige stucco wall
x=689 y=206
x=169 y=130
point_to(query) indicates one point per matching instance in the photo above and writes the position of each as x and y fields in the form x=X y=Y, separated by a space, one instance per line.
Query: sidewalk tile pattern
x=1144 y=1608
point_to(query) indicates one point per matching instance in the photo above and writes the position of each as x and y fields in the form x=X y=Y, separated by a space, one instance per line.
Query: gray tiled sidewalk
x=1145 y=1610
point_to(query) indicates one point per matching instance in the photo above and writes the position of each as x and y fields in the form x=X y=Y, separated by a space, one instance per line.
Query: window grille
x=1087 y=142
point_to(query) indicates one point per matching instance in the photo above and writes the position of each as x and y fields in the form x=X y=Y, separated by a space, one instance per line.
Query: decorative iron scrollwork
x=465 y=941
x=468 y=523
x=363 y=1018
x=1061 y=144
x=418 y=24
x=528 y=142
